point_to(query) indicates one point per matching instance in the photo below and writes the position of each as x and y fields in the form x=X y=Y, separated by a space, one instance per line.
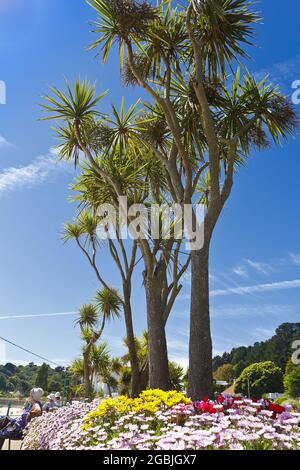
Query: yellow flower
x=149 y=402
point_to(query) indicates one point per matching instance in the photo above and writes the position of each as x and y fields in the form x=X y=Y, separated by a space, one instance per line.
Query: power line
x=29 y=352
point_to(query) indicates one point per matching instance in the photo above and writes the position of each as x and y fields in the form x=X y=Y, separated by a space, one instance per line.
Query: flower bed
x=167 y=421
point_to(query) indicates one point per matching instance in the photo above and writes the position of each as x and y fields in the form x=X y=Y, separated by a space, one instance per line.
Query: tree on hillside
x=225 y=373
x=3 y=382
x=42 y=377
x=291 y=380
x=260 y=378
x=201 y=124
x=277 y=349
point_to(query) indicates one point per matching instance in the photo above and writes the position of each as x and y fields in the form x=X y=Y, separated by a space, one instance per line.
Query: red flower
x=276 y=408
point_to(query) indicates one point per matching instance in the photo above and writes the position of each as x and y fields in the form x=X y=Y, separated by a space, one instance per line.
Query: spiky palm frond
x=77 y=368
x=176 y=376
x=88 y=316
x=108 y=302
x=88 y=224
x=125 y=380
x=74 y=105
x=254 y=110
x=224 y=28
x=86 y=335
x=123 y=128
x=78 y=117
x=71 y=231
x=120 y=20
x=167 y=41
x=129 y=172
x=116 y=365
x=99 y=358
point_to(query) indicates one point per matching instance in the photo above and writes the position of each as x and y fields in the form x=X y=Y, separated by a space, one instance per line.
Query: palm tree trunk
x=109 y=390
x=87 y=379
x=200 y=372
x=158 y=353
x=133 y=357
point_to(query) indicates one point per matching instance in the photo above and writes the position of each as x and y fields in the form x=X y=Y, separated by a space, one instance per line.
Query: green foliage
x=263 y=377
x=119 y=20
x=224 y=27
x=3 y=382
x=42 y=377
x=88 y=316
x=21 y=379
x=292 y=382
x=108 y=303
x=176 y=376
x=277 y=349
x=225 y=373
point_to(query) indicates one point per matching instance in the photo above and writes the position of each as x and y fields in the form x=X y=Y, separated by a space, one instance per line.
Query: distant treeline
x=278 y=349
x=21 y=379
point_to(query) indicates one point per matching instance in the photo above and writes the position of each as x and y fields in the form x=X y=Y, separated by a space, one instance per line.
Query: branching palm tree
x=84 y=231
x=197 y=137
x=92 y=320
x=214 y=125
x=133 y=170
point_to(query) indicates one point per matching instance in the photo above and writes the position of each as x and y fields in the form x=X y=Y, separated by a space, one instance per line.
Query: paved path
x=15 y=445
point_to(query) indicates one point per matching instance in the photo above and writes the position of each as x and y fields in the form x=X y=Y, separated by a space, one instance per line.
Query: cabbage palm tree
x=201 y=134
x=118 y=165
x=92 y=320
x=211 y=128
x=84 y=231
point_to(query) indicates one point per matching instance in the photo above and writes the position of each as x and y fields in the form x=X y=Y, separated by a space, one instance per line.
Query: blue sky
x=255 y=260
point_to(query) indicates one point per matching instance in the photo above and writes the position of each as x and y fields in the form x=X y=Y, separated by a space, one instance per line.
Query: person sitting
x=13 y=428
x=57 y=399
x=50 y=405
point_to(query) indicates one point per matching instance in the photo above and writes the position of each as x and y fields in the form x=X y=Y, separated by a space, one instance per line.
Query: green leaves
x=272 y=108
x=88 y=316
x=74 y=105
x=224 y=28
x=84 y=227
x=78 y=116
x=120 y=20
x=253 y=111
x=108 y=303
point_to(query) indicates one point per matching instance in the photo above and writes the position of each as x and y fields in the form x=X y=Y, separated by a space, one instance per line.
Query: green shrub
x=264 y=377
x=292 y=382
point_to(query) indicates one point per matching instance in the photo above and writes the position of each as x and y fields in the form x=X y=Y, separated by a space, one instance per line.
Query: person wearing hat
x=50 y=405
x=13 y=428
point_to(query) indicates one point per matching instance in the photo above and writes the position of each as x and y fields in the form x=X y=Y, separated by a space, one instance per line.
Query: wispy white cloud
x=255 y=289
x=30 y=175
x=254 y=311
x=259 y=266
x=240 y=271
x=295 y=258
x=263 y=333
x=4 y=142
x=282 y=73
x=244 y=290
x=42 y=315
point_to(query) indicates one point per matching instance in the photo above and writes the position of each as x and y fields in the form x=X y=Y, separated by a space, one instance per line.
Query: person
x=50 y=405
x=57 y=399
x=13 y=428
